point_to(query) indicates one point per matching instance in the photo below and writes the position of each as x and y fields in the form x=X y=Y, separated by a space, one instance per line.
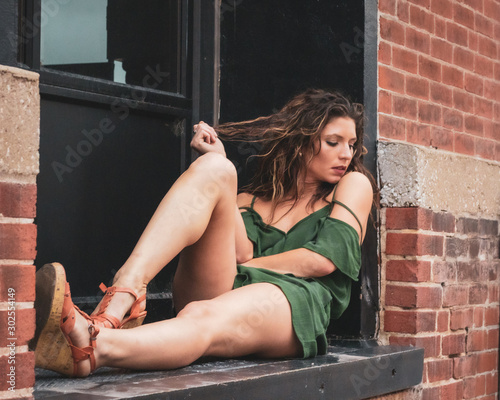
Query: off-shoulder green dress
x=313 y=301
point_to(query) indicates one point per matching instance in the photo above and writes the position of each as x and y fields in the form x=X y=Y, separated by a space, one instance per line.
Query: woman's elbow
x=243 y=256
x=324 y=266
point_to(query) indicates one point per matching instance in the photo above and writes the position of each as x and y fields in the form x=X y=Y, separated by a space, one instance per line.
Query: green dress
x=313 y=301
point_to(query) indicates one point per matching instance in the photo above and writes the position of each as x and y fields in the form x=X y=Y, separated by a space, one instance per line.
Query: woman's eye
x=333 y=144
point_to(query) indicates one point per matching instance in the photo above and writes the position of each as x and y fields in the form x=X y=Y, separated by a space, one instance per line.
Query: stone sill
x=345 y=372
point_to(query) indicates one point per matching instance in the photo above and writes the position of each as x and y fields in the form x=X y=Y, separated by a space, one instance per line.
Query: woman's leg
x=197 y=213
x=252 y=320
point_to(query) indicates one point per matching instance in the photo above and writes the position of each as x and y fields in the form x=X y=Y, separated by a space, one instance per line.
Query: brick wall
x=19 y=133
x=439 y=99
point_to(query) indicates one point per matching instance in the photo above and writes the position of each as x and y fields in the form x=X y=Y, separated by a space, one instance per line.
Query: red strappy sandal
x=134 y=318
x=55 y=319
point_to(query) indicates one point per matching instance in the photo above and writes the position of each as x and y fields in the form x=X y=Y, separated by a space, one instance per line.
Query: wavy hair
x=291 y=133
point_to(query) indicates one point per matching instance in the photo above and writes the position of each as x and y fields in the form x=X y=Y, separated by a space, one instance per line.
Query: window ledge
x=345 y=372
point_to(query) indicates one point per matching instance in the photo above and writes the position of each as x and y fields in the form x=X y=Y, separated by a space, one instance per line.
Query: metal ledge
x=343 y=373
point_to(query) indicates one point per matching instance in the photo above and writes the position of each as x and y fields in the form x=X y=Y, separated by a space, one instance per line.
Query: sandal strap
x=135 y=310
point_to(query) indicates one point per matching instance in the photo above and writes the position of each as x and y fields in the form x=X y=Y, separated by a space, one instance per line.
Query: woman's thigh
x=207 y=268
x=251 y=320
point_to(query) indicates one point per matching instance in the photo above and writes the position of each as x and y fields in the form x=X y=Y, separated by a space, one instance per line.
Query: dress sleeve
x=339 y=242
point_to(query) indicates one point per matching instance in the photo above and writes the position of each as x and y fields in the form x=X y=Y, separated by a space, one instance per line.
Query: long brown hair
x=291 y=133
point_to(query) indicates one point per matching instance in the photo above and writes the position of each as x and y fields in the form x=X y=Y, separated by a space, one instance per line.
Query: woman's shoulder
x=244 y=199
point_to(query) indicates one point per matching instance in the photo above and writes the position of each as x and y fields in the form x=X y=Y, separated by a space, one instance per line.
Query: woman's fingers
x=205 y=131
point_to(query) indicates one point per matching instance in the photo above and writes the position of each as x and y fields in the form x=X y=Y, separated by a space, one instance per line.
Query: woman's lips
x=339 y=170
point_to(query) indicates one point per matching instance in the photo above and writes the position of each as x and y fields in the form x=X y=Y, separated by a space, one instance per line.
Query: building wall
x=439 y=153
x=19 y=138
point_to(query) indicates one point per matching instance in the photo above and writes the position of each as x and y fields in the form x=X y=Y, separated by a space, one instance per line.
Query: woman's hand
x=205 y=140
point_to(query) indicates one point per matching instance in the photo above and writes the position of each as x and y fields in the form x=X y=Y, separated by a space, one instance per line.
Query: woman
x=260 y=273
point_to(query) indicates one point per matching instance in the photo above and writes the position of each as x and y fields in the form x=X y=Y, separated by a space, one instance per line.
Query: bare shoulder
x=355 y=181
x=244 y=200
x=355 y=188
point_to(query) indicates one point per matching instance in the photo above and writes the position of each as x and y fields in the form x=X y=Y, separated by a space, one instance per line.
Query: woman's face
x=335 y=153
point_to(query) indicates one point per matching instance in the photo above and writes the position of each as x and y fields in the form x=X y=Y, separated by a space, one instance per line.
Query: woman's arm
x=205 y=139
x=244 y=246
x=353 y=190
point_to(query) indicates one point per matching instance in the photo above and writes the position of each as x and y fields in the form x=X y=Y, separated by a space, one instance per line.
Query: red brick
x=462 y=100
x=439 y=27
x=483 y=108
x=480 y=385
x=418 y=133
x=441 y=138
x=463 y=58
x=408 y=218
x=392 y=31
x=491 y=8
x=463 y=16
x=422 y=19
x=473 y=40
x=385 y=53
x=473 y=125
x=483 y=66
x=444 y=271
x=24 y=322
x=474 y=84
x=478 y=317
x=478 y=293
x=496 y=68
x=408 y=270
x=461 y=318
x=384 y=102
x=431 y=392
x=485 y=148
x=477 y=340
x=387 y=6
x=429 y=68
x=443 y=321
x=464 y=366
x=483 y=25
x=417 y=40
x=456 y=34
x=404 y=107
x=443 y=222
x=491 y=316
x=392 y=128
x=452 y=391
x=19 y=281
x=414 y=244
x=413 y=296
x=453 y=119
x=487 y=47
x=17 y=241
x=491 y=130
x=417 y=87
x=487 y=361
x=441 y=94
x=453 y=76
x=442 y=7
x=493 y=336
x=455 y=295
x=422 y=3
x=475 y=4
x=492 y=91
x=410 y=321
x=25 y=371
x=439 y=370
x=429 y=113
x=493 y=293
x=404 y=59
x=391 y=80
x=464 y=144
x=430 y=344
x=17 y=200
x=403 y=11
x=453 y=344
x=492 y=384
x=469 y=387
